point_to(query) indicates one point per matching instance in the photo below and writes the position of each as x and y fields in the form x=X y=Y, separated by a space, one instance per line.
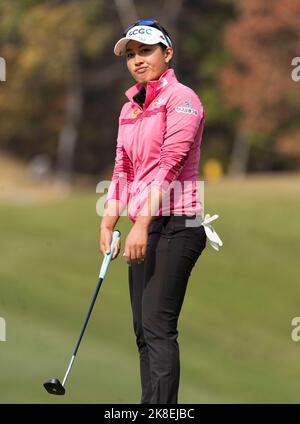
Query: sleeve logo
x=186 y=108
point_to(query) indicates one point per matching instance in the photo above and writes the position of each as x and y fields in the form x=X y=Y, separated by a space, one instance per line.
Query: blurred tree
x=262 y=42
x=126 y=11
x=65 y=88
x=201 y=56
x=44 y=43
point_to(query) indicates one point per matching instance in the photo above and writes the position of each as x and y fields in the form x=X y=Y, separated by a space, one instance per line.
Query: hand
x=136 y=244
x=105 y=242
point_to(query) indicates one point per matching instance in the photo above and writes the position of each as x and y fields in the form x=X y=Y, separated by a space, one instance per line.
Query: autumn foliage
x=262 y=41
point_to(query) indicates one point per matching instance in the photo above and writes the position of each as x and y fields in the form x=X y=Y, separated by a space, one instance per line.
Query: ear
x=169 y=54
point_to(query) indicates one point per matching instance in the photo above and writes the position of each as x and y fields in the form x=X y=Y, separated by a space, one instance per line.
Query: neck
x=145 y=83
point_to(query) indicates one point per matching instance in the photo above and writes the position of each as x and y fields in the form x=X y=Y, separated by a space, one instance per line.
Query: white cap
x=144 y=34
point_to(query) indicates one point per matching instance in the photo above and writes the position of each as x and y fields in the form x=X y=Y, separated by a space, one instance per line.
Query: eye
x=129 y=55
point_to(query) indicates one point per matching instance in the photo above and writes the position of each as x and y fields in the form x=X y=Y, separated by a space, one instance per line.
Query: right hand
x=105 y=242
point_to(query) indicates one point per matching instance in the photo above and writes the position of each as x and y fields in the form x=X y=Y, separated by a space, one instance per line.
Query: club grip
x=115 y=236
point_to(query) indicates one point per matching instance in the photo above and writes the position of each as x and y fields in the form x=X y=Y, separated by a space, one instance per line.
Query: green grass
x=235 y=324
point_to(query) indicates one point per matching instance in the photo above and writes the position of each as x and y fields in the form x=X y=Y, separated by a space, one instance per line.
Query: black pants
x=157 y=289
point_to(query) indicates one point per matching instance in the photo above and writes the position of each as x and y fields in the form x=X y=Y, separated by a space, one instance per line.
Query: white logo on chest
x=159 y=101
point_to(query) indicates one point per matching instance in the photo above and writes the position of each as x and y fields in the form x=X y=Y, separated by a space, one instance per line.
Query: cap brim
x=120 y=47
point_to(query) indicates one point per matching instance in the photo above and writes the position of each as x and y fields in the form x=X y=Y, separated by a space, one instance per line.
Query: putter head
x=54 y=387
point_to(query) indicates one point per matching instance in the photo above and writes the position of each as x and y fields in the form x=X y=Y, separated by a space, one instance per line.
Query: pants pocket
x=195 y=243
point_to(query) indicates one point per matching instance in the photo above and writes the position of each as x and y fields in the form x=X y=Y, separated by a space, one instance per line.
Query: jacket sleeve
x=184 y=116
x=123 y=174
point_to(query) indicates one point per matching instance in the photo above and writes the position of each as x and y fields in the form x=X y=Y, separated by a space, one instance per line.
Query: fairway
x=235 y=325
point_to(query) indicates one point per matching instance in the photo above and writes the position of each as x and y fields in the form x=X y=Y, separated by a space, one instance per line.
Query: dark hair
x=163 y=46
x=161 y=28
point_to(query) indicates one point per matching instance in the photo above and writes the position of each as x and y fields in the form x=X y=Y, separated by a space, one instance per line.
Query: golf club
x=54 y=386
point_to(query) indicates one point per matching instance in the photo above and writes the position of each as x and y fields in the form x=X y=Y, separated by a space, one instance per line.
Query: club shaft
x=88 y=314
x=68 y=370
x=83 y=329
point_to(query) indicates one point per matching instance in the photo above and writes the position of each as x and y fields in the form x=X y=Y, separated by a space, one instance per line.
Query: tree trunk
x=169 y=17
x=239 y=155
x=69 y=133
x=126 y=11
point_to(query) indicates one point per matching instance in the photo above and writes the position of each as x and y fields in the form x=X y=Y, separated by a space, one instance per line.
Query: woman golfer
x=156 y=169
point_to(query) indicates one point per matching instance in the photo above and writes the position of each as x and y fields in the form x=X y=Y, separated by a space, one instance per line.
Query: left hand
x=136 y=244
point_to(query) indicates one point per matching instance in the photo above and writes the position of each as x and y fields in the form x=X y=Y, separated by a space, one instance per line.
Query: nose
x=138 y=60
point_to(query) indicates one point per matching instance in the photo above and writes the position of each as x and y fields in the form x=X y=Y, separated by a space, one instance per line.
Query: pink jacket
x=159 y=144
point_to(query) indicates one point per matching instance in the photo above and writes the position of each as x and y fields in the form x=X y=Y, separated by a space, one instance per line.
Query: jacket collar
x=153 y=87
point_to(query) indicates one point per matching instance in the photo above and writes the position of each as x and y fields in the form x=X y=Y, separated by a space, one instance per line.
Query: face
x=147 y=62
